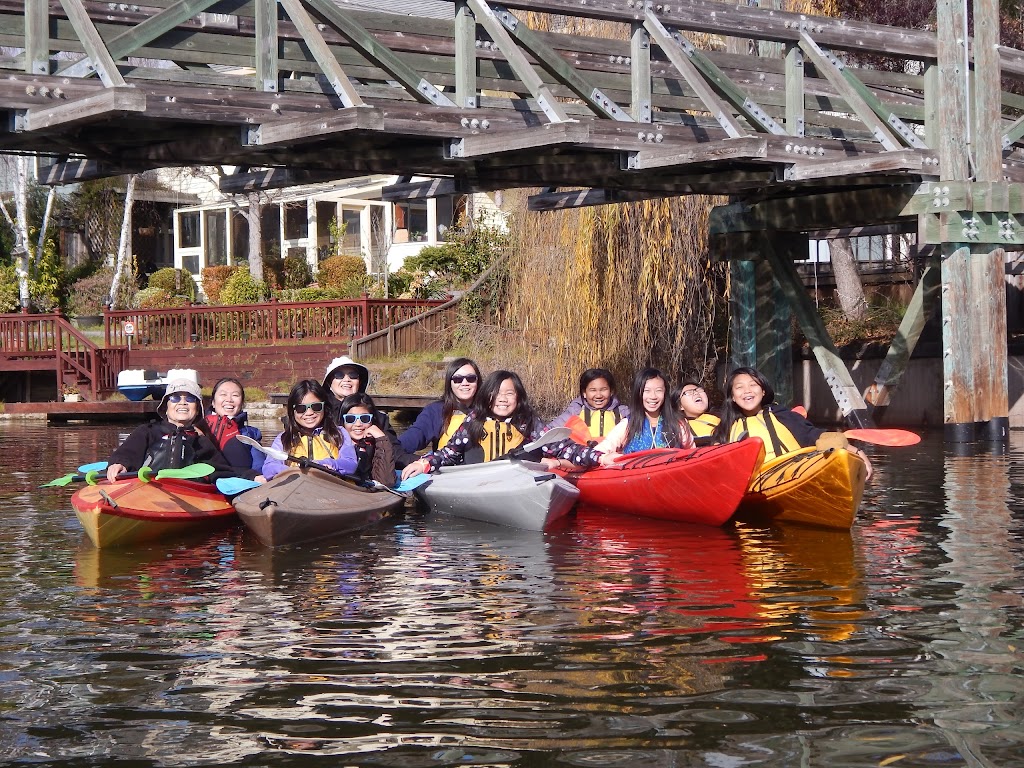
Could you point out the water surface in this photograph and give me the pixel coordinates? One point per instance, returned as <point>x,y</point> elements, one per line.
<point>430,641</point>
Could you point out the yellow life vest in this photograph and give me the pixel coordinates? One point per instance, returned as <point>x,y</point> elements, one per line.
<point>315,447</point>
<point>703,425</point>
<point>755,426</point>
<point>600,421</point>
<point>500,437</point>
<point>454,422</point>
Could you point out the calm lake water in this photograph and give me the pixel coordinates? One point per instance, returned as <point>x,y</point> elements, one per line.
<point>435,642</point>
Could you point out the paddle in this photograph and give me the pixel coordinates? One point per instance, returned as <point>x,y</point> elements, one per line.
<point>92,477</point>
<point>305,463</point>
<point>232,486</point>
<point>522,453</point>
<point>892,437</point>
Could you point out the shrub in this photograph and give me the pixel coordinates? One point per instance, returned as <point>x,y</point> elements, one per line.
<point>310,293</point>
<point>8,289</point>
<point>176,282</point>
<point>89,294</point>
<point>158,298</point>
<point>214,279</point>
<point>297,273</point>
<point>342,272</point>
<point>243,288</point>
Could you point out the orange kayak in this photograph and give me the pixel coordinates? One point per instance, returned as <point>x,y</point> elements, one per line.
<point>809,486</point>
<point>130,511</point>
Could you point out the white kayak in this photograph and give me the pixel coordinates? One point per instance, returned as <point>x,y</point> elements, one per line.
<point>517,494</point>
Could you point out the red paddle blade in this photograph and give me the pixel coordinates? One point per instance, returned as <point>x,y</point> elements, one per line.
<point>892,437</point>
<point>799,409</point>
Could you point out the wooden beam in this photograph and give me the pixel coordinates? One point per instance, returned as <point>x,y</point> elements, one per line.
<point>93,43</point>
<point>742,148</point>
<point>71,171</point>
<point>105,105</point>
<point>465,56</point>
<point>677,55</point>
<point>489,20</point>
<point>37,37</point>
<point>1013,133</point>
<point>553,134</point>
<point>735,95</point>
<point>332,70</point>
<point>848,397</point>
<point>272,178</point>
<point>556,65</point>
<point>641,91</point>
<point>584,198</point>
<point>900,160</point>
<point>921,307</point>
<point>314,128</point>
<point>145,32</point>
<point>378,53</point>
<point>266,46</point>
<point>794,90</point>
<point>423,190</point>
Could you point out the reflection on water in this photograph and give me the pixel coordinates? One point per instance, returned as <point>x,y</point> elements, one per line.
<point>613,641</point>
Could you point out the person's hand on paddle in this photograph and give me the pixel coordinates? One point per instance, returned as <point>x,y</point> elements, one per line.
<point>416,468</point>
<point>607,459</point>
<point>114,470</point>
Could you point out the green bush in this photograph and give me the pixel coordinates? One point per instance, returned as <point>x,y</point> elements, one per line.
<point>342,272</point>
<point>243,288</point>
<point>297,273</point>
<point>214,279</point>
<point>176,282</point>
<point>158,298</point>
<point>310,294</point>
<point>468,252</point>
<point>8,289</point>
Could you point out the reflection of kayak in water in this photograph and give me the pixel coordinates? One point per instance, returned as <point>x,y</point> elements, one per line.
<point>644,565</point>
<point>131,511</point>
<point>702,485</point>
<point>808,486</point>
<point>807,572</point>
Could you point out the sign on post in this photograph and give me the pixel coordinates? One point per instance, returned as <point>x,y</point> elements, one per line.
<point>129,331</point>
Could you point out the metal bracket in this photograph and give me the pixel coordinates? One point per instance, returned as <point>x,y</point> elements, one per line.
<point>454,149</point>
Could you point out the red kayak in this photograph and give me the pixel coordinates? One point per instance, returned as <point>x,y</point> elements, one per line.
<point>688,485</point>
<point>131,511</point>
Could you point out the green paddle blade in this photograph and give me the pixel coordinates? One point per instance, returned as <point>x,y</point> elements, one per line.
<point>61,481</point>
<point>191,472</point>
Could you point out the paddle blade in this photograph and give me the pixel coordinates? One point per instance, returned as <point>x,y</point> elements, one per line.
<point>412,483</point>
<point>96,466</point>
<point>899,438</point>
<point>799,409</point>
<point>232,486</point>
<point>271,452</point>
<point>61,481</point>
<point>190,472</point>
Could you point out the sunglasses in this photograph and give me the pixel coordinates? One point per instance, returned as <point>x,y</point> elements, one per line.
<point>362,418</point>
<point>303,407</point>
<point>469,377</point>
<point>179,398</point>
<point>692,392</point>
<point>348,375</point>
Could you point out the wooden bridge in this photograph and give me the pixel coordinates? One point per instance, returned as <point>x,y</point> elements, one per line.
<point>665,97</point>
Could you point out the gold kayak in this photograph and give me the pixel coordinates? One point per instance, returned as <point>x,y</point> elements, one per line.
<point>810,486</point>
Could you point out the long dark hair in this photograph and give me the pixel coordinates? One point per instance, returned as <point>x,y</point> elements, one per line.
<point>731,412</point>
<point>593,374</point>
<point>355,401</point>
<point>449,402</point>
<point>293,432</point>
<point>522,417</point>
<point>637,415</point>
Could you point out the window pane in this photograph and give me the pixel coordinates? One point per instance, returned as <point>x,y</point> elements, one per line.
<point>239,237</point>
<point>188,230</point>
<point>216,239</point>
<point>295,221</point>
<point>351,225</point>
<point>190,263</point>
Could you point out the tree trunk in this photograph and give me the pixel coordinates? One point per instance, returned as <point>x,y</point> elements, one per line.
<point>849,288</point>
<point>255,218</point>
<point>124,246</point>
<point>41,248</point>
<point>21,239</point>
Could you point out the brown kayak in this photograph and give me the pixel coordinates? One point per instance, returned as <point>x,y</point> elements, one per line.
<point>305,505</point>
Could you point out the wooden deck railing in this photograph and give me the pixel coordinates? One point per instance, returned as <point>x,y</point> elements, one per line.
<point>49,342</point>
<point>270,323</point>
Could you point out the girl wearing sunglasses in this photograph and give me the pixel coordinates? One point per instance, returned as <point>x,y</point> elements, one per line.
<point>310,433</point>
<point>501,421</point>
<point>596,411</point>
<point>439,420</point>
<point>374,457</point>
<point>179,439</point>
